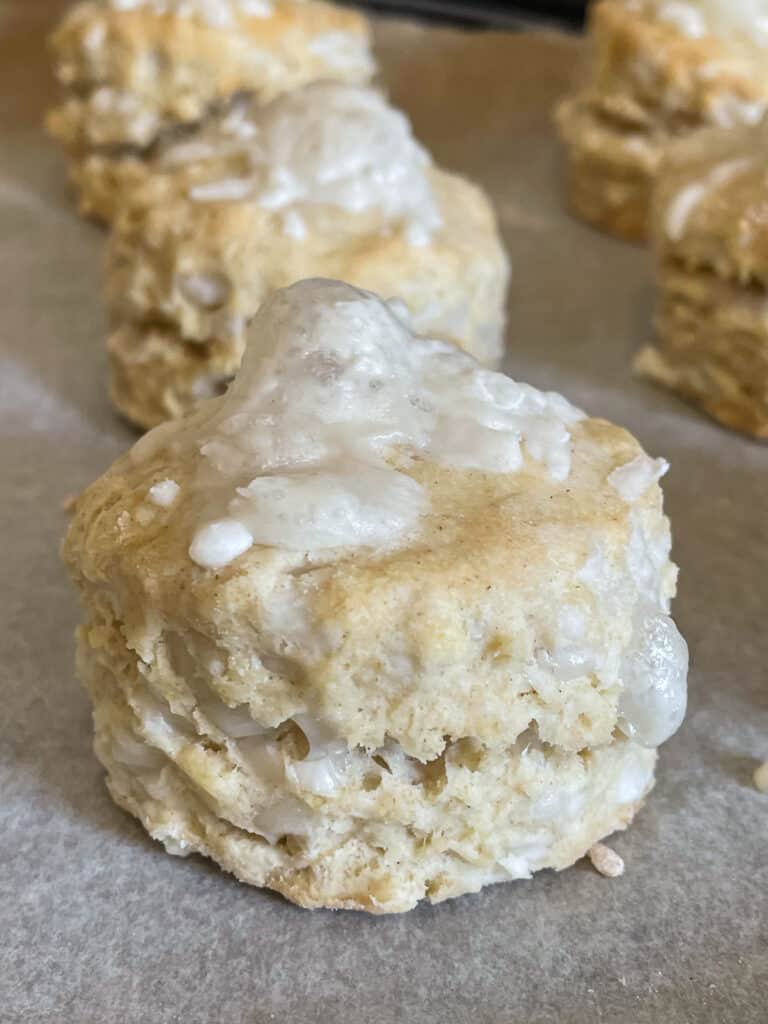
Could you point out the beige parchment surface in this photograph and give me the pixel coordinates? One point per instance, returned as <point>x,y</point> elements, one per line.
<point>97,924</point>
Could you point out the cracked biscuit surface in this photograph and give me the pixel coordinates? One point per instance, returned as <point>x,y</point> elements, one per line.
<point>711,249</point>
<point>655,71</point>
<point>378,625</point>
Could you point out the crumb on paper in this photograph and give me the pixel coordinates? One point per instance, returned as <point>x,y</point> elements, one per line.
<point>760,777</point>
<point>68,502</point>
<point>606,861</point>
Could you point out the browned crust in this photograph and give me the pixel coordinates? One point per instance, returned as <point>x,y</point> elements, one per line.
<point>173,70</point>
<point>642,89</point>
<point>608,198</point>
<point>222,54</point>
<point>744,419</point>
<point>635,53</point>
<point>712,345</point>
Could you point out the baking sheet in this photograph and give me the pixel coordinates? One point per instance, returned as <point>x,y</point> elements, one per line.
<point>97,924</point>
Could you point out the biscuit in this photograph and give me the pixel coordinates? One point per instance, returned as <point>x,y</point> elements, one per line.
<point>655,71</point>
<point>711,250</point>
<point>134,73</point>
<point>609,173</point>
<point>326,181</point>
<point>157,376</point>
<point>378,625</point>
<point>102,181</point>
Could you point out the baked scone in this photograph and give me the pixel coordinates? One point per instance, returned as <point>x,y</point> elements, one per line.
<point>136,71</point>
<point>327,180</point>
<point>656,70</point>
<point>711,250</point>
<point>378,624</point>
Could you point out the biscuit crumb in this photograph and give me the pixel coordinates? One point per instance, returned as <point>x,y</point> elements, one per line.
<point>606,861</point>
<point>68,502</point>
<point>760,777</point>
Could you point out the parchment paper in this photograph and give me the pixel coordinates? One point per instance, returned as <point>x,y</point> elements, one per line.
<point>97,923</point>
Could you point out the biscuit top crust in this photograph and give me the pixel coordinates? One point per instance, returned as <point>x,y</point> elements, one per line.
<point>92,25</point>
<point>427,550</point>
<point>711,203</point>
<point>334,393</point>
<point>674,65</point>
<point>746,20</point>
<point>327,143</point>
<point>171,63</point>
<point>223,13</point>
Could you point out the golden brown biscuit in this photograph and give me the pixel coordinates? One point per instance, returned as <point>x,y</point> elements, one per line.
<point>711,247</point>
<point>609,173</point>
<point>377,625</point>
<point>326,181</point>
<point>655,70</point>
<point>158,376</point>
<point>102,181</point>
<point>134,72</point>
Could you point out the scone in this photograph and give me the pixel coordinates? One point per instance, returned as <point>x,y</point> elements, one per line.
<point>327,180</point>
<point>711,249</point>
<point>378,625</point>
<point>656,70</point>
<point>136,72</point>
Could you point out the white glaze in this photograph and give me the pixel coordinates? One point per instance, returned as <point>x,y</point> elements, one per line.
<point>236,722</point>
<point>289,816</point>
<point>219,543</point>
<point>685,17</point>
<point>332,381</point>
<point>654,665</point>
<point>333,384</point>
<point>634,781</point>
<point>324,144</point>
<point>164,493</point>
<point>343,52</point>
<point>633,479</point>
<point>682,206</point>
<point>647,559</point>
<point>344,146</point>
<point>654,673</point>
<point>222,190</point>
<point>527,857</point>
<point>687,199</point>
<point>323,770</point>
